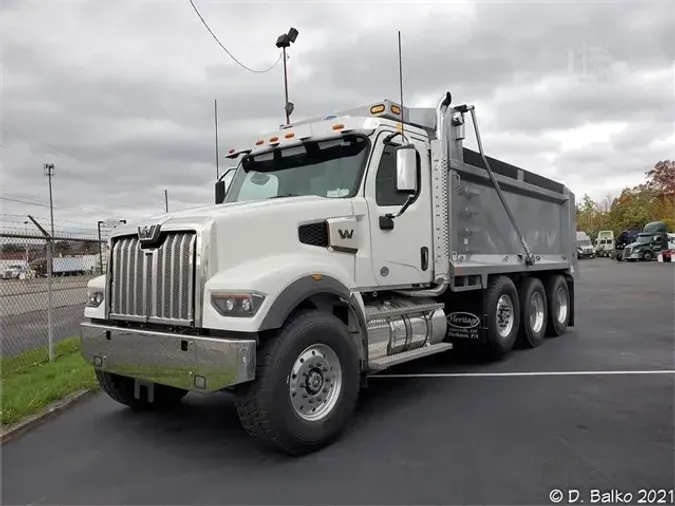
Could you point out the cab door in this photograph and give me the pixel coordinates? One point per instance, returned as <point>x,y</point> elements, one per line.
<point>400,255</point>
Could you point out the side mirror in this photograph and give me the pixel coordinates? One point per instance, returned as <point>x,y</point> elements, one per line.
<point>406,169</point>
<point>223,184</point>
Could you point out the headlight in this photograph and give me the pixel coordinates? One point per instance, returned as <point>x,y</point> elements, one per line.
<point>237,304</point>
<point>94,299</point>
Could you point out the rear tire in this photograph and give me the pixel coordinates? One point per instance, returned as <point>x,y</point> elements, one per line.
<point>558,295</point>
<point>502,307</point>
<point>306,386</point>
<point>121,389</point>
<point>533,312</point>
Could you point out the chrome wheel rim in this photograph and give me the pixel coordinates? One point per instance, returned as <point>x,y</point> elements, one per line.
<point>536,312</point>
<point>315,382</point>
<point>505,315</point>
<point>561,301</point>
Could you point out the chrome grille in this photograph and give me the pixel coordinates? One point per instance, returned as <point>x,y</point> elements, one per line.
<point>155,284</point>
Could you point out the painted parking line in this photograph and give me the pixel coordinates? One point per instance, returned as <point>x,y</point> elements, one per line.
<point>521,374</point>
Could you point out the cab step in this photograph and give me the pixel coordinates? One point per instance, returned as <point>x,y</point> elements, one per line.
<point>399,358</point>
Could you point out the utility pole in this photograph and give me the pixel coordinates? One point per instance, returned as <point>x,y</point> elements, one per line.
<point>100,248</point>
<point>166,201</point>
<point>49,172</point>
<point>215,114</point>
<point>284,41</point>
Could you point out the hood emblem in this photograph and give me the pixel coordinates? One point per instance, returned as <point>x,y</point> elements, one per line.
<point>148,234</point>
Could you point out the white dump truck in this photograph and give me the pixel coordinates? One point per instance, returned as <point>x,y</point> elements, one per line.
<point>343,245</point>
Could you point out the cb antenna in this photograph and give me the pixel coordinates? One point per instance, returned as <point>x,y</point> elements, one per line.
<point>400,80</point>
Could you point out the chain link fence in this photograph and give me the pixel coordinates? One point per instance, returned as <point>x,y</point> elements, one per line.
<point>25,288</point>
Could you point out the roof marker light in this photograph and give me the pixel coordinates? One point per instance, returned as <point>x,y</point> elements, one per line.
<point>338,126</point>
<point>289,135</point>
<point>395,109</point>
<point>259,142</point>
<point>377,109</point>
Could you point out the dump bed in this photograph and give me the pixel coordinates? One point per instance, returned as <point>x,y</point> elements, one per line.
<point>482,238</point>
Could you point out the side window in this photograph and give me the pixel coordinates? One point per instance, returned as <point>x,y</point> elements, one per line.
<point>386,193</point>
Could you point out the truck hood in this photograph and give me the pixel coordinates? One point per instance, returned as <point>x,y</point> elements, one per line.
<point>305,207</point>
<point>241,229</point>
<point>218,211</point>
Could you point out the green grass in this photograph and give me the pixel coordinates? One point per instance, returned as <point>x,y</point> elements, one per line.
<point>30,382</point>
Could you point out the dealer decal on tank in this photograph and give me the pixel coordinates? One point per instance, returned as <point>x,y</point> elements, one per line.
<point>463,325</point>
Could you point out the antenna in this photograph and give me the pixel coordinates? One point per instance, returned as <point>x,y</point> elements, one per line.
<point>400,79</point>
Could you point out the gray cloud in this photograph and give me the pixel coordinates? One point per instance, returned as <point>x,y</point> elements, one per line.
<point>120,98</point>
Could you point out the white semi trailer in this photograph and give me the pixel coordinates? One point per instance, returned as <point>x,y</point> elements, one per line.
<point>344,245</point>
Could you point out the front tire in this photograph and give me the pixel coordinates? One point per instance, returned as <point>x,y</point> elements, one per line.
<point>503,309</point>
<point>647,257</point>
<point>306,386</point>
<point>558,295</point>
<point>533,312</point>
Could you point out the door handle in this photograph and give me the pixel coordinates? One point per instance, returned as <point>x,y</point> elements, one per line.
<point>424,254</point>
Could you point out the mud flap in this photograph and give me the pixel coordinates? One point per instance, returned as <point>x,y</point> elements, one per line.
<point>466,318</point>
<point>570,286</point>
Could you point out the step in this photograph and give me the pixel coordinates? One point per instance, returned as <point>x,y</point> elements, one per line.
<point>406,356</point>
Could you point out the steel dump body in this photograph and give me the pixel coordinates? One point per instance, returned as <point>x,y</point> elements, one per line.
<point>482,239</point>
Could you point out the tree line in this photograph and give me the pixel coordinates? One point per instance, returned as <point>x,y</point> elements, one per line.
<point>652,200</point>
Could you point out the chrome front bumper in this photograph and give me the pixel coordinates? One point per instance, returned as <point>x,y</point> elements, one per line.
<point>202,364</point>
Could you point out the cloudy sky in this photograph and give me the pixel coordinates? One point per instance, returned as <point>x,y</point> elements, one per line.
<point>119,94</point>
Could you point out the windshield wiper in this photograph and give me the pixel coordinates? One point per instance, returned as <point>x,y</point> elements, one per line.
<point>284,195</point>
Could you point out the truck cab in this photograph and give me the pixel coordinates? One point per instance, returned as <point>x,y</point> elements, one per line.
<point>584,246</point>
<point>648,244</point>
<point>604,243</point>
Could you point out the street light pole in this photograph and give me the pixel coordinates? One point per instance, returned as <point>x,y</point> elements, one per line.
<point>284,41</point>
<point>25,225</point>
<point>100,247</point>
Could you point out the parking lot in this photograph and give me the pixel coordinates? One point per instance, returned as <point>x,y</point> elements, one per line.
<point>590,410</point>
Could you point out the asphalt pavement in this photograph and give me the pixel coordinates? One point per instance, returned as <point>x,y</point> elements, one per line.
<point>489,439</point>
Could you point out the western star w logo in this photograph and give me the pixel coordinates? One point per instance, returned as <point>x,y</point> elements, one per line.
<point>148,233</point>
<point>346,233</point>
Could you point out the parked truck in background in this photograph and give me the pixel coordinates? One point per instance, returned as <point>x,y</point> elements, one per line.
<point>668,253</point>
<point>604,243</point>
<point>584,246</point>
<point>623,239</point>
<point>649,243</point>
<point>344,245</point>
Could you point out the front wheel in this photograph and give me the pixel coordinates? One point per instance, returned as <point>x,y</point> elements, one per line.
<point>306,386</point>
<point>647,257</point>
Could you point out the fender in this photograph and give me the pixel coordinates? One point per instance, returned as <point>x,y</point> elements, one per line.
<point>285,280</point>
<point>296,292</point>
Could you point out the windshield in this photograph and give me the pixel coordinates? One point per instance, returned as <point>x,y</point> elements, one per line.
<point>584,242</point>
<point>644,238</point>
<point>331,168</point>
